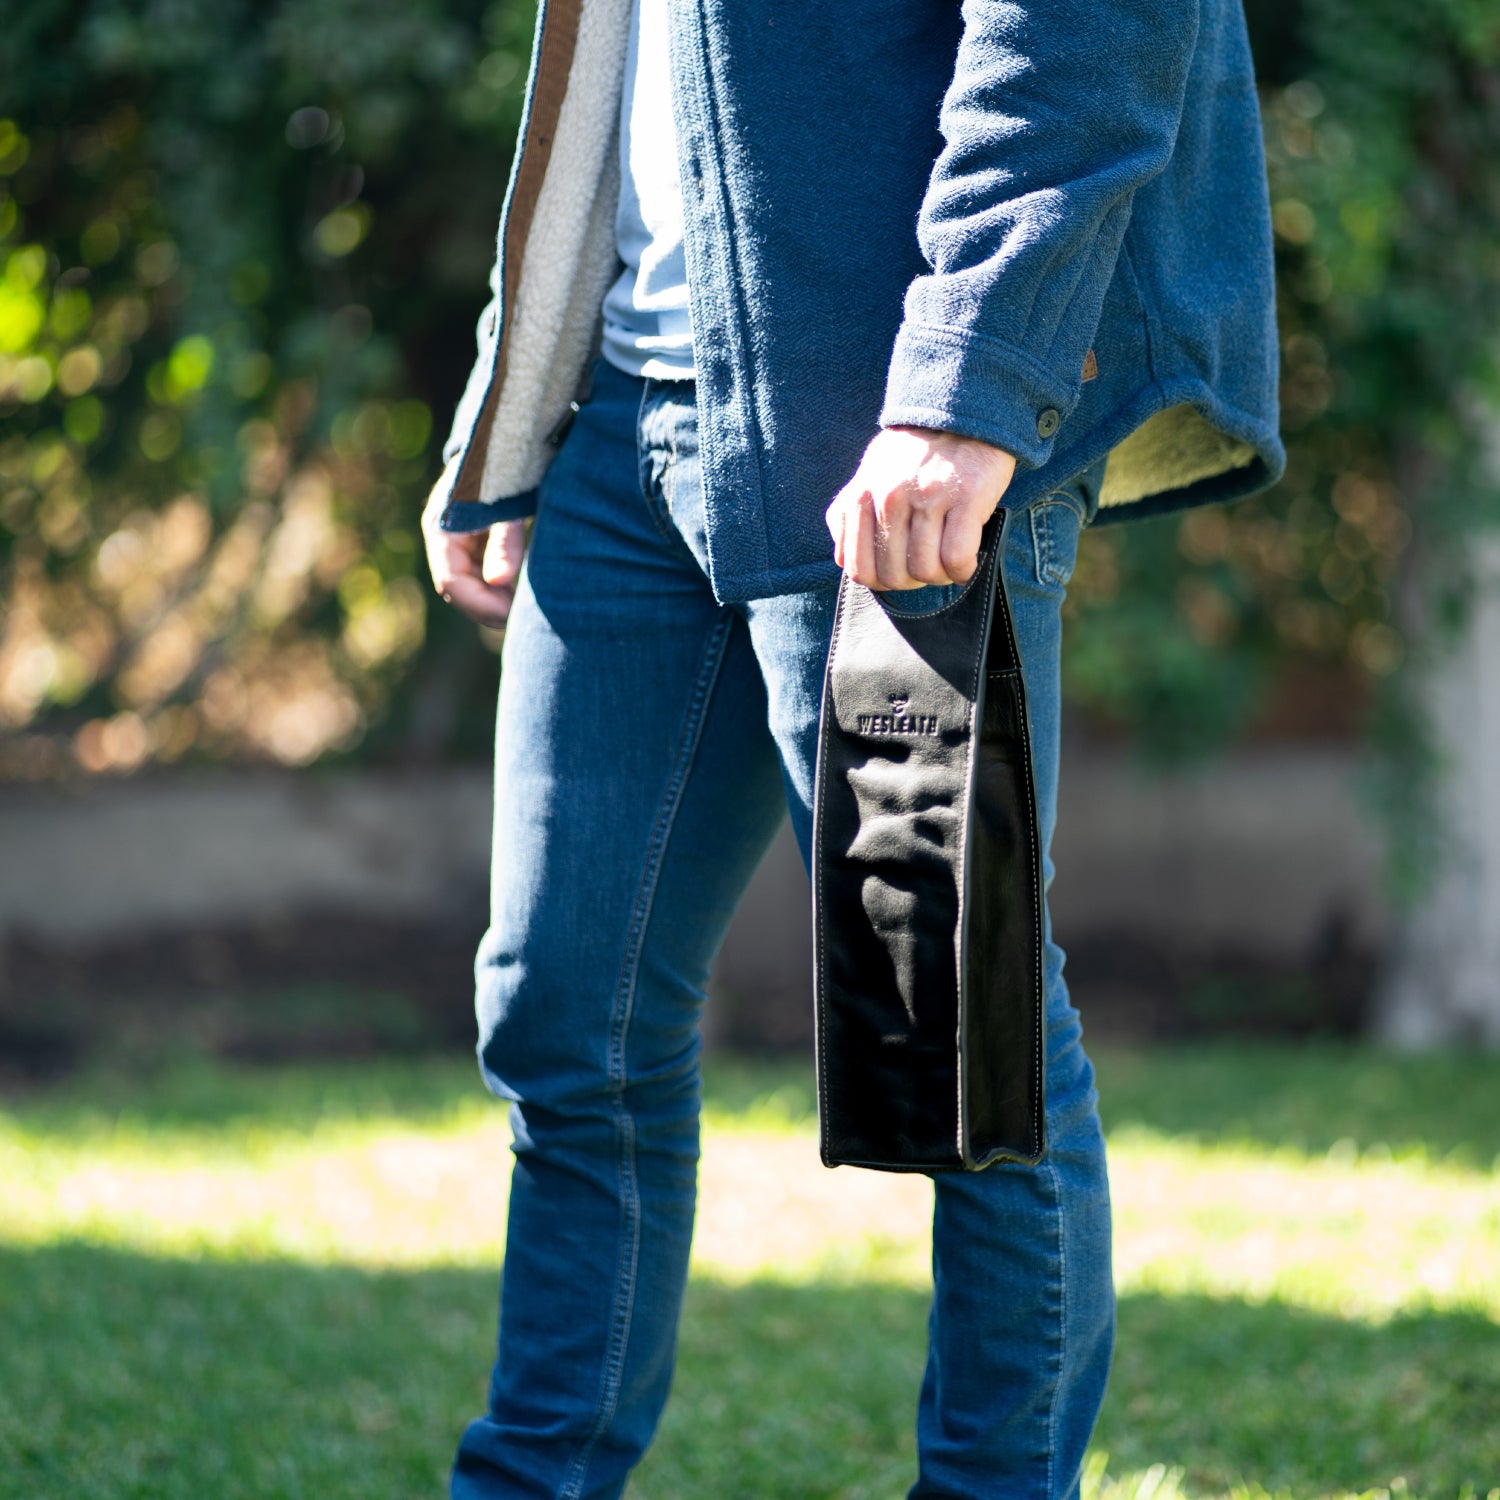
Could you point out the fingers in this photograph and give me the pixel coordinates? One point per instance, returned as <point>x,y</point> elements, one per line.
<point>859,546</point>
<point>892,525</point>
<point>459,578</point>
<point>925,559</point>
<point>915,511</point>
<point>963,529</point>
<point>476,571</point>
<point>833,519</point>
<point>473,597</point>
<point>891,540</point>
<point>871,541</point>
<point>503,553</point>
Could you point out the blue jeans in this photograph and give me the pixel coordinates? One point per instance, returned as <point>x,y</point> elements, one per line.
<point>649,742</point>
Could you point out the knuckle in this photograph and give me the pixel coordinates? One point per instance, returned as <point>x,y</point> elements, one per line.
<point>890,506</point>
<point>958,562</point>
<point>931,496</point>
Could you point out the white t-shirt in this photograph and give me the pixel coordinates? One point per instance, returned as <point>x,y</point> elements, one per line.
<point>646,325</point>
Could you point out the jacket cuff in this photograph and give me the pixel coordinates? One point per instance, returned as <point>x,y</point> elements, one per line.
<point>475,515</point>
<point>957,381</point>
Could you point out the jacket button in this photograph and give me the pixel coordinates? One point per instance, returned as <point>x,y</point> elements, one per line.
<point>1048,422</point>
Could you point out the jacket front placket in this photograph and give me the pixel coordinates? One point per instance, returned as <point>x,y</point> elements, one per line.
<point>727,414</point>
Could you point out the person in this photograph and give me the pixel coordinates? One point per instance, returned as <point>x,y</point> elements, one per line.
<point>784,291</point>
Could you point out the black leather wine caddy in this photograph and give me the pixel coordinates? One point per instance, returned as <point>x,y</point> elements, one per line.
<point>927,886</point>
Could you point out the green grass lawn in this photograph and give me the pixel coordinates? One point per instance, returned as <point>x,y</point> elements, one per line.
<point>234,1283</point>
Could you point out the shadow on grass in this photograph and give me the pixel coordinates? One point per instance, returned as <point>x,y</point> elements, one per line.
<point>194,1093</point>
<point>122,1375</point>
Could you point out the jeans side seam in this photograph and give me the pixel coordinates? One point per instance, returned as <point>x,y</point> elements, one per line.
<point>622,1013</point>
<point>1040,544</point>
<point>1062,1332</point>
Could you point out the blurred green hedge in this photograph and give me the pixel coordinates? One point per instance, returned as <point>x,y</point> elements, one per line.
<point>242,249</point>
<point>1382,129</point>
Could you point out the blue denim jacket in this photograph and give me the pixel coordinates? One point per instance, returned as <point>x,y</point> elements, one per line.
<point>1036,222</point>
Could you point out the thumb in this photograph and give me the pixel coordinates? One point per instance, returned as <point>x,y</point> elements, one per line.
<point>502,553</point>
<point>833,519</point>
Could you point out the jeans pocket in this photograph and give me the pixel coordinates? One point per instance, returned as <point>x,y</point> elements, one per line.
<point>1056,521</point>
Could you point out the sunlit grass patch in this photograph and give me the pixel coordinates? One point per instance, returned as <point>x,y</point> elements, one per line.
<point>394,1165</point>
<point>321,1164</point>
<point>1363,1237</point>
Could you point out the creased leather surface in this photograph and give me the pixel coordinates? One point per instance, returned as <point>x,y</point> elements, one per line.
<point>927,888</point>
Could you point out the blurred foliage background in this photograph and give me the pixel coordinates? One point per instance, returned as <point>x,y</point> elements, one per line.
<point>242,249</point>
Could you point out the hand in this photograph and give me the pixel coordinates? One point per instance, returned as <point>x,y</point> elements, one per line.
<point>475,571</point>
<point>916,507</point>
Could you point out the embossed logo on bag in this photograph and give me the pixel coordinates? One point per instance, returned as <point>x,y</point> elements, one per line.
<point>898,721</point>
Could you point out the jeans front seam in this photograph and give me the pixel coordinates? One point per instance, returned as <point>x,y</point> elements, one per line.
<point>621,1014</point>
